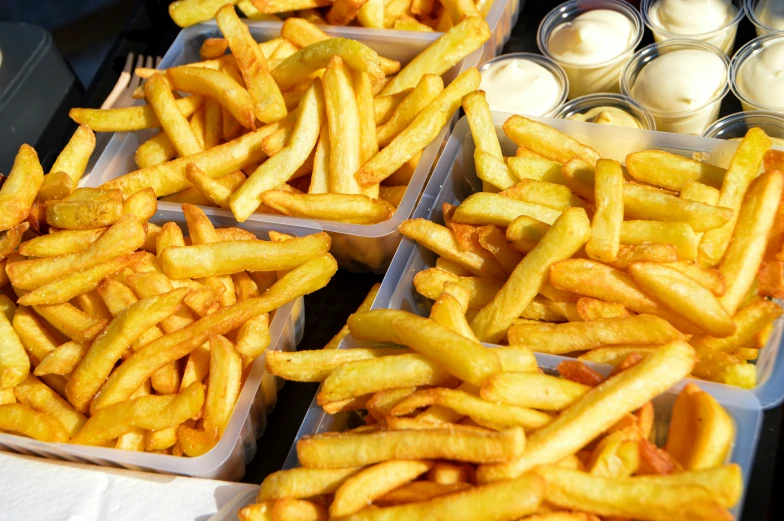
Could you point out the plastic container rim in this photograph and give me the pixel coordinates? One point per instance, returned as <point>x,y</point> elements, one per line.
<point>646,6</point>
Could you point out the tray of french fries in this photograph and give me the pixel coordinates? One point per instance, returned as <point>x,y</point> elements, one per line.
<point>374,17</point>
<point>127,344</point>
<point>577,290</point>
<point>299,168</point>
<point>449,429</point>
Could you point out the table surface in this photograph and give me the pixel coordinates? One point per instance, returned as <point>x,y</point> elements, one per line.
<point>150,31</point>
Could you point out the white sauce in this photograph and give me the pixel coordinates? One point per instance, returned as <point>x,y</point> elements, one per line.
<point>521,86</point>
<point>689,17</point>
<point>592,37</point>
<point>761,75</point>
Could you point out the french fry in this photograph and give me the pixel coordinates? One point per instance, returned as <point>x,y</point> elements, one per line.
<point>371,483</point>
<point>69,166</point>
<point>71,321</point>
<point>565,237</point>
<point>300,483</point>
<point>20,419</point>
<point>457,43</point>
<point>537,168</point>
<point>224,258</point>
<point>583,336</point>
<point>425,92</point>
<point>20,188</point>
<point>344,128</point>
<point>684,296</point>
<point>172,121</point>
<point>491,169</point>
<point>547,141</point>
<point>640,202</point>
<point>486,208</point>
<point>594,309</point>
<point>225,382</point>
<point>680,235</point>
<point>279,168</point>
<point>417,491</point>
<point>672,171</point>
<point>146,412</point>
<point>10,239</point>
<point>742,170</point>
<point>645,252</point>
<point>129,118</point>
<point>749,321</point>
<point>627,497</point>
<point>156,150</point>
<point>63,360</point>
<point>354,208</point>
<point>544,193</point>
<point>422,131</point>
<point>37,395</point>
<point>74,214</point>
<point>747,247</point>
<point>581,422</point>
<point>430,283</point>
<point>345,450</point>
<point>14,363</point>
<point>266,96</point>
<point>604,242</point>
<point>217,85</point>
<point>531,390</point>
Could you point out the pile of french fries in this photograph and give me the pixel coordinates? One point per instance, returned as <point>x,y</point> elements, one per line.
<point>116,332</point>
<point>304,125</point>
<point>404,15</point>
<point>568,253</point>
<point>456,430</point>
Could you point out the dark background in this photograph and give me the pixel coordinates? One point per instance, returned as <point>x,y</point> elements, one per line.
<point>95,36</point>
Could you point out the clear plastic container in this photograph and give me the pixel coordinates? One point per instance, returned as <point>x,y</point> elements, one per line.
<point>693,121</point>
<point>596,77</point>
<point>356,247</point>
<point>237,446</point>
<point>583,104</point>
<point>766,15</point>
<point>745,57</point>
<point>722,37</point>
<point>551,66</point>
<point>455,179</point>
<point>736,125</point>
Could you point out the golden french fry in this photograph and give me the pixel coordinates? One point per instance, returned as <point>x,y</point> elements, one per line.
<point>346,450</point>
<point>680,235</point>
<point>156,150</point>
<point>74,214</point>
<point>457,43</point>
<point>20,188</point>
<point>351,208</point>
<point>14,362</point>
<point>537,168</point>
<point>749,321</point>
<point>146,412</point>
<point>129,118</point>
<point>672,171</point>
<point>700,432</point>
<point>464,358</point>
<point>190,12</point>
<point>616,354</point>
<point>744,254</point>
<point>10,239</point>
<point>224,387</point>
<point>684,296</point>
<point>421,132</point>
<point>69,166</point>
<point>487,208</point>
<point>742,170</point>
<point>531,390</point>
<point>594,309</point>
<point>37,395</point>
<point>544,193</point>
<point>626,497</point>
<point>442,241</point>
<point>606,223</point>
<point>224,258</point>
<point>430,283</point>
<point>580,177</point>
<point>172,121</point>
<point>71,321</point>
<point>492,170</point>
<point>217,85</point>
<point>37,339</point>
<point>373,482</point>
<point>122,238</point>
<point>17,418</point>
<point>213,48</point>
<point>299,483</point>
<point>62,360</point>
<point>425,92</point>
<point>266,96</point>
<point>344,11</point>
<point>278,169</point>
<point>569,232</point>
<point>547,141</point>
<point>645,252</point>
<point>597,410</point>
<point>640,202</point>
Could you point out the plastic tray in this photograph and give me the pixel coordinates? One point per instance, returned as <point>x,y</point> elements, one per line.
<point>356,247</point>
<point>454,179</point>
<point>236,447</point>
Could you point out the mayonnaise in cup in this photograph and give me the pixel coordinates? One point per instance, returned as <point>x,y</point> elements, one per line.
<point>736,125</point>
<point>592,40</point>
<point>680,82</point>
<point>607,109</point>
<point>524,83</point>
<point>757,73</point>
<point>766,15</point>
<point>712,21</point>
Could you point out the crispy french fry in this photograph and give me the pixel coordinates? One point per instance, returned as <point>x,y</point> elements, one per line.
<point>37,395</point>
<point>640,202</point>
<point>537,168</point>
<point>225,382</point>
<point>565,237</point>
<point>742,170</point>
<point>72,213</point>
<point>606,223</point>
<point>10,239</point>
<point>156,150</point>
<point>547,141</point>
<point>20,188</point>
<point>345,450</point>
<point>351,208</point>
<point>63,360</point>
<point>430,283</point>
<point>14,363</point>
<point>172,121</point>
<point>69,166</point>
<point>749,321</point>
<point>680,235</point>
<point>129,118</point>
<point>544,193</point>
<point>457,43</point>
<point>425,92</point>
<point>645,252</point>
<point>300,483</point>
<point>486,208</point>
<point>17,418</point>
<point>672,171</point>
<point>217,85</point>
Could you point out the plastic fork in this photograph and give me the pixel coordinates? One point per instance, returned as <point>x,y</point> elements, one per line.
<point>121,95</point>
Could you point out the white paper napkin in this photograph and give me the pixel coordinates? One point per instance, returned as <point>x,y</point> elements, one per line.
<point>47,490</point>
